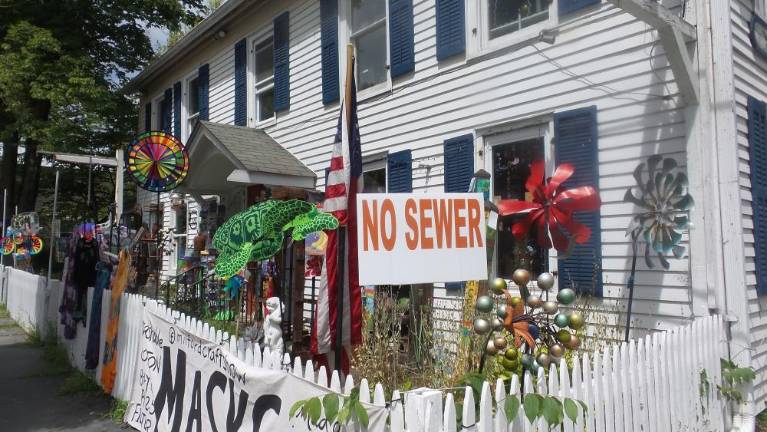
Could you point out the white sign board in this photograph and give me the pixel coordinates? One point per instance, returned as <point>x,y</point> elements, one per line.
<point>187,383</point>
<point>420,238</point>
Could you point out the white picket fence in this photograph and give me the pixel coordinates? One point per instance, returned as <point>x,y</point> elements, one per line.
<point>651,384</point>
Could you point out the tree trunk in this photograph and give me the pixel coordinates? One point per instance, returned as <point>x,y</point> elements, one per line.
<point>10,156</point>
<point>31,180</point>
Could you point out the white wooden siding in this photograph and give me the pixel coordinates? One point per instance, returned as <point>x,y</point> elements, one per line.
<point>603,57</point>
<point>750,80</point>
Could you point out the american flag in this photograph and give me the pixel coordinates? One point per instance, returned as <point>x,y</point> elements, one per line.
<point>344,180</point>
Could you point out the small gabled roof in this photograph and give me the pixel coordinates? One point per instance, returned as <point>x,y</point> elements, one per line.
<point>256,158</point>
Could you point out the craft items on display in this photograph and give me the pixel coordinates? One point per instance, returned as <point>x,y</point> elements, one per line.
<point>663,203</point>
<point>157,161</point>
<point>103,275</point>
<point>257,233</point>
<point>84,251</point>
<point>550,213</point>
<point>109,362</point>
<point>530,332</point>
<point>273,325</point>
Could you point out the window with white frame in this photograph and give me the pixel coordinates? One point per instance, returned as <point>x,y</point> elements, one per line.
<point>510,156</point>
<point>192,103</point>
<point>264,78</point>
<point>374,174</point>
<point>499,23</point>
<point>368,36</point>
<point>157,112</point>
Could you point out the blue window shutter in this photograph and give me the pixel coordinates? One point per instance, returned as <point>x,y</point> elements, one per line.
<point>329,29</point>
<point>203,89</point>
<point>459,163</point>
<point>282,62</point>
<point>240,84</point>
<point>401,34</point>
<point>576,143</point>
<point>451,28</point>
<point>148,117</point>
<point>400,171</point>
<point>167,111</point>
<point>570,6</point>
<point>177,110</point>
<point>757,146</point>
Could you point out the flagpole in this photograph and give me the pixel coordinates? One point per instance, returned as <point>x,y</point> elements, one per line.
<point>341,255</point>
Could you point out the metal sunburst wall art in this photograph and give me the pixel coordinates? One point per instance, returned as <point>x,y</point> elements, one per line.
<point>663,202</point>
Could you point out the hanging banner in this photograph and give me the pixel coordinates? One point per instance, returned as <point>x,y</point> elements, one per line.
<point>187,383</point>
<point>420,238</point>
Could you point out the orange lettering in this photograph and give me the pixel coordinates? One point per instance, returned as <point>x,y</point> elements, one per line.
<point>370,225</point>
<point>443,219</point>
<point>460,222</point>
<point>388,240</point>
<point>411,237</point>
<point>474,223</point>
<point>426,242</point>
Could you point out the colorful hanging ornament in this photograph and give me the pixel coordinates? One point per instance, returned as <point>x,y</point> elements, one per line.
<point>157,161</point>
<point>36,245</point>
<point>8,245</point>
<point>552,209</point>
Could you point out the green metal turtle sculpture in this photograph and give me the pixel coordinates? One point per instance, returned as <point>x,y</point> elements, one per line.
<point>257,233</point>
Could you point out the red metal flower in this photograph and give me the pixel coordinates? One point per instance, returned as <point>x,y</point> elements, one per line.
<point>551,210</point>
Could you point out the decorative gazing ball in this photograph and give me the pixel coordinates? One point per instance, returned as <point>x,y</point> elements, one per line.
<point>564,336</point>
<point>543,360</point>
<point>499,285</point>
<point>521,277</point>
<point>574,342</point>
<point>481,326</point>
<point>500,342</point>
<point>484,304</point>
<point>556,350</point>
<point>491,349</point>
<point>497,324</point>
<point>501,311</point>
<point>509,364</point>
<point>561,320</point>
<point>535,366</point>
<point>534,301</point>
<point>515,301</point>
<point>576,320</point>
<point>511,353</point>
<point>550,307</point>
<point>534,331</point>
<point>527,360</point>
<point>545,281</point>
<point>566,296</point>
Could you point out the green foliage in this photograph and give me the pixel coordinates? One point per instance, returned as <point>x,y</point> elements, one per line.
<point>76,383</point>
<point>117,410</point>
<point>732,377</point>
<point>336,408</point>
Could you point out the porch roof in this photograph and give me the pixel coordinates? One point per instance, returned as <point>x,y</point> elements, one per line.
<point>221,154</point>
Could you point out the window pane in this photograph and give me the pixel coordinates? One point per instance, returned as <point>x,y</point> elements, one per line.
<point>366,12</point>
<point>507,16</point>
<point>194,100</point>
<point>374,181</point>
<point>371,57</point>
<point>266,104</point>
<point>264,60</point>
<point>511,167</point>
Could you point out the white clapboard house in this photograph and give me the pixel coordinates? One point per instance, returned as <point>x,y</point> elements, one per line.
<point>447,87</point>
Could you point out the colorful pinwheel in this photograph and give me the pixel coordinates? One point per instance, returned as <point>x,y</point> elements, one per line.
<point>36,245</point>
<point>157,161</point>
<point>551,209</point>
<point>8,245</point>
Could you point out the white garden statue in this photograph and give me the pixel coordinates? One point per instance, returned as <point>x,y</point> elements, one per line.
<point>273,325</point>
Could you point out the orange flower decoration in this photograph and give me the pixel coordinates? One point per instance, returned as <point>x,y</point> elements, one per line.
<point>517,322</point>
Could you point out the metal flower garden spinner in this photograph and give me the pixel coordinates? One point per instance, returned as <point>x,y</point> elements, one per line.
<point>663,202</point>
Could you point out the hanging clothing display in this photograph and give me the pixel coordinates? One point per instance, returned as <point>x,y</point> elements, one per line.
<point>103,274</point>
<point>79,274</point>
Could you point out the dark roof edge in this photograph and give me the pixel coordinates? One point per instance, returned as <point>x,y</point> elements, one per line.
<point>189,41</point>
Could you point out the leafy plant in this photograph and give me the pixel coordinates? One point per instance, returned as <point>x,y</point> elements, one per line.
<point>337,408</point>
<point>551,408</point>
<point>733,376</point>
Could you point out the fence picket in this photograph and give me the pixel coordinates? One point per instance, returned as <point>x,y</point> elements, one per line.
<point>309,371</point>
<point>397,416</point>
<point>448,420</point>
<point>348,384</point>
<point>322,377</point>
<point>379,397</point>
<point>485,423</point>
<point>588,394</point>
<point>469,415</point>
<point>577,394</point>
<point>500,423</point>
<point>335,382</point>
<point>607,389</point>
<point>527,387</point>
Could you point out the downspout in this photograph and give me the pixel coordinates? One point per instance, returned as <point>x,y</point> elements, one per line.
<point>719,34</point>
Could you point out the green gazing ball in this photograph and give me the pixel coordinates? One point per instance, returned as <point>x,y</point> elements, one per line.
<point>561,320</point>
<point>498,285</point>
<point>511,353</point>
<point>527,360</point>
<point>501,312</point>
<point>564,336</point>
<point>484,304</point>
<point>566,296</point>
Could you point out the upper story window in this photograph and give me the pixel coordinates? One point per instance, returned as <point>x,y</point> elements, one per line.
<point>368,35</point>
<point>374,173</point>
<point>192,104</point>
<point>508,16</point>
<point>264,78</point>
<point>160,108</point>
